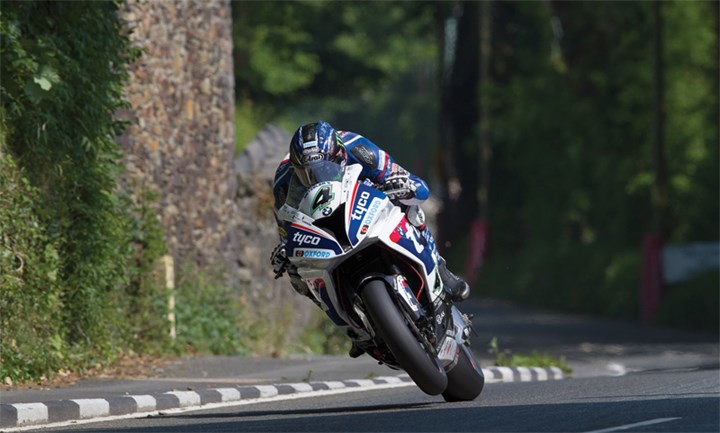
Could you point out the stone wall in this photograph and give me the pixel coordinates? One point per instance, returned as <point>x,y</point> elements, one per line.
<point>180,145</point>
<point>181,140</point>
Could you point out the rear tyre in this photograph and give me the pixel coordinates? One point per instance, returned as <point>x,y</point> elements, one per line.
<point>465,380</point>
<point>423,368</point>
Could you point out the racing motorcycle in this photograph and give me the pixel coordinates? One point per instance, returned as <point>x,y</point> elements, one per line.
<point>376,276</point>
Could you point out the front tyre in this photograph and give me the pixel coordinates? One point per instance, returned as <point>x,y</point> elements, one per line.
<point>389,323</point>
<point>466,379</point>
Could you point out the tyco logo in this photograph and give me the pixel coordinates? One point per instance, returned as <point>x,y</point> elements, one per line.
<point>300,239</point>
<point>361,207</point>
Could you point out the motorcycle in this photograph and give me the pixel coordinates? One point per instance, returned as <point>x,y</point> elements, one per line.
<point>376,276</point>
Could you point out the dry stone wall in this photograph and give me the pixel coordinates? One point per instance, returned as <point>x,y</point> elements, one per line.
<point>181,139</point>
<point>180,145</point>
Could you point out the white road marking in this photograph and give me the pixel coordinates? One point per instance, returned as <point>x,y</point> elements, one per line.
<point>541,373</point>
<point>213,406</point>
<point>144,402</point>
<point>506,372</point>
<point>362,382</point>
<point>186,398</point>
<point>558,372</point>
<point>228,394</point>
<point>335,384</point>
<point>525,375</point>
<point>31,413</point>
<point>637,424</point>
<point>616,369</point>
<point>92,407</point>
<point>301,387</point>
<point>266,390</point>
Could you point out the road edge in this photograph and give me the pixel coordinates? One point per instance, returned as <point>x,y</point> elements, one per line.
<point>14,416</point>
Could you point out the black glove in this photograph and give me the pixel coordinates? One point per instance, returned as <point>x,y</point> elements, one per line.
<point>398,186</point>
<point>279,260</point>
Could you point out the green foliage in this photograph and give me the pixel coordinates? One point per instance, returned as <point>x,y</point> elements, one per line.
<point>63,71</point>
<point>76,253</point>
<point>693,304</point>
<point>691,62</point>
<point>573,148</point>
<point>371,71</point>
<point>144,300</point>
<point>506,358</point>
<point>586,279</point>
<point>291,49</point>
<point>207,313</point>
<point>322,336</point>
<point>31,340</point>
<point>368,68</point>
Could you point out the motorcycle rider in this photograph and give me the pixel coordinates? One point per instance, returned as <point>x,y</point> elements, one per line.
<point>320,141</point>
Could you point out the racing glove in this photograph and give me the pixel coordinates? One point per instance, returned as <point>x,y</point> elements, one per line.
<point>279,260</point>
<point>398,186</point>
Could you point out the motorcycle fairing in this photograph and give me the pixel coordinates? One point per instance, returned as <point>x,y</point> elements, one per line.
<point>367,204</point>
<point>409,239</point>
<point>369,217</point>
<point>303,240</point>
<point>322,199</point>
<point>322,286</point>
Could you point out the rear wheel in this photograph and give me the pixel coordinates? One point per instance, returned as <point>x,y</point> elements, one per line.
<point>466,379</point>
<point>389,323</point>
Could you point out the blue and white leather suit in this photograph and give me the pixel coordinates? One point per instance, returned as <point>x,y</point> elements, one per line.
<point>320,141</point>
<point>377,164</point>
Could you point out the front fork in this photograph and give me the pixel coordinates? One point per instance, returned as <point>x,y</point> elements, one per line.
<point>443,335</point>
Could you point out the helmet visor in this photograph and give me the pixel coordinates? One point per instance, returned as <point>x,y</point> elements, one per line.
<point>318,171</point>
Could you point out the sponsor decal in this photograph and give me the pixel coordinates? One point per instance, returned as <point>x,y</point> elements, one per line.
<point>372,211</point>
<point>301,239</point>
<point>399,231</point>
<point>309,144</point>
<point>361,207</point>
<point>313,157</point>
<point>327,211</point>
<point>282,232</point>
<point>402,231</point>
<point>409,239</point>
<point>448,350</point>
<point>364,154</point>
<point>364,229</point>
<point>286,212</point>
<point>312,253</point>
<point>440,317</point>
<point>404,291</point>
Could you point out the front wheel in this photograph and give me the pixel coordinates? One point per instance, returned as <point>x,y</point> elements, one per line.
<point>466,379</point>
<point>389,323</point>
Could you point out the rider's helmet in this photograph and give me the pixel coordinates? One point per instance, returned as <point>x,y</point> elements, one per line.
<point>312,143</point>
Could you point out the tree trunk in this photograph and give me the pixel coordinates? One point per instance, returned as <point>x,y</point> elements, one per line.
<point>659,189</point>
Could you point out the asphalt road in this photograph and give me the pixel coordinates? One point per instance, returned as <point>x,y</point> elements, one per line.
<point>668,401</point>
<point>626,377</point>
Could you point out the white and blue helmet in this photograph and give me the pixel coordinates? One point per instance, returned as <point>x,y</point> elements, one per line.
<point>312,143</point>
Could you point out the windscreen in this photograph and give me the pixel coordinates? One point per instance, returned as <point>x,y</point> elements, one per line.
<point>320,171</point>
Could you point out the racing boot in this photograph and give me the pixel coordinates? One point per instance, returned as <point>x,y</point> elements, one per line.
<point>355,350</point>
<point>457,288</point>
